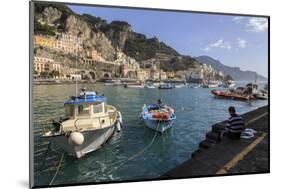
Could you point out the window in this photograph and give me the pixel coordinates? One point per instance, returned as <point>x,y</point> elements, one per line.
<point>69,110</point>
<point>98,108</point>
<point>83,109</point>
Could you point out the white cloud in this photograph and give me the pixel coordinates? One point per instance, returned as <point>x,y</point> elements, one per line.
<point>237,19</point>
<point>253,24</point>
<point>218,44</point>
<point>206,48</point>
<point>242,43</point>
<point>257,24</point>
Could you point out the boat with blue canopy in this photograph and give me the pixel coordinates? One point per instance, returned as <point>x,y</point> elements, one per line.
<point>88,123</point>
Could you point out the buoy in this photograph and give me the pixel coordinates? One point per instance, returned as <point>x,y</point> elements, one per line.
<point>119,117</point>
<point>118,125</point>
<point>119,122</point>
<point>76,138</point>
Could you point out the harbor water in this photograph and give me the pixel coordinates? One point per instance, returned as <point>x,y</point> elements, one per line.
<point>119,159</point>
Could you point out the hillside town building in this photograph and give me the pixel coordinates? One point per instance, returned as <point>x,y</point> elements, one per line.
<point>45,65</point>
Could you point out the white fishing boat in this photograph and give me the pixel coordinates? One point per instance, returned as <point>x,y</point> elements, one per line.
<point>194,85</point>
<point>211,84</point>
<point>261,95</point>
<point>135,85</point>
<point>230,84</point>
<point>179,85</point>
<point>89,122</point>
<point>150,86</point>
<point>166,86</point>
<point>113,82</point>
<point>157,117</point>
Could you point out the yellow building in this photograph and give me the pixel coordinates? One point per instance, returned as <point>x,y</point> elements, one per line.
<point>65,43</point>
<point>45,65</point>
<point>44,41</point>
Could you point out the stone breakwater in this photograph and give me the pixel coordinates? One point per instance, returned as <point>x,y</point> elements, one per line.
<point>229,157</point>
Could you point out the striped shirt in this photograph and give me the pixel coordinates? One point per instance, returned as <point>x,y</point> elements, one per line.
<point>235,124</point>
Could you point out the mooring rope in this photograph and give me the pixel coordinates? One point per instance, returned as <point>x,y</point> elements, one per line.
<point>57,171</point>
<point>148,146</point>
<point>142,151</point>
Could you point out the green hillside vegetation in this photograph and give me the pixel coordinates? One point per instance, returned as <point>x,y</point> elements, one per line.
<point>39,7</point>
<point>177,64</point>
<point>95,22</point>
<point>44,29</point>
<point>141,48</point>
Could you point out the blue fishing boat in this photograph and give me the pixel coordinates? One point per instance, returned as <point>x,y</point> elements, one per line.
<point>158,117</point>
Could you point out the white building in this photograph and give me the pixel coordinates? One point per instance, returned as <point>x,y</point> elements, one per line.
<point>42,64</point>
<point>69,43</point>
<point>76,77</point>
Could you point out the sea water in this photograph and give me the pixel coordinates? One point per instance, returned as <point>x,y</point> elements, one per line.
<point>196,110</point>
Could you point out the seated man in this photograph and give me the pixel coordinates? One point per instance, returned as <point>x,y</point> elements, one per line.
<point>160,104</point>
<point>235,125</point>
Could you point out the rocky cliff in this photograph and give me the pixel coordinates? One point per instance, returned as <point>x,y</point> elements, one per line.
<point>62,19</point>
<point>105,37</point>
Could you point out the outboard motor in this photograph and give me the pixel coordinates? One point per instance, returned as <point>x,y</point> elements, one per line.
<point>56,125</point>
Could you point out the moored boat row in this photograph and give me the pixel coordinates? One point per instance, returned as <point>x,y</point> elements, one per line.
<point>89,122</point>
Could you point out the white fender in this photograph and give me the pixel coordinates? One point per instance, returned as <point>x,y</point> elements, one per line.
<point>76,138</point>
<point>119,121</point>
<point>119,117</point>
<point>118,126</point>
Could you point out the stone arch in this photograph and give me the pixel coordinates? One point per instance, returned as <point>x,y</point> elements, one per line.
<point>106,75</point>
<point>93,75</point>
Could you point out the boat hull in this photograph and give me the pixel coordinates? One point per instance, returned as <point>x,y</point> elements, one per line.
<point>158,125</point>
<point>261,96</point>
<point>93,140</point>
<point>134,86</point>
<point>220,94</point>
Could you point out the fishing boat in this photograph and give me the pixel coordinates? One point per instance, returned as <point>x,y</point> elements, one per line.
<point>261,95</point>
<point>134,85</point>
<point>194,85</point>
<point>89,122</point>
<point>231,95</point>
<point>157,117</point>
<point>113,82</point>
<point>230,84</point>
<point>179,85</point>
<point>165,86</point>
<point>150,86</point>
<point>211,84</point>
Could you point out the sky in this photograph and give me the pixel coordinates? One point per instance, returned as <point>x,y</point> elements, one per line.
<point>237,41</point>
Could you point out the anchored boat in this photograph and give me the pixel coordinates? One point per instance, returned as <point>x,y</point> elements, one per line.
<point>166,86</point>
<point>158,117</point>
<point>89,122</point>
<point>135,85</point>
<point>211,84</point>
<point>231,95</point>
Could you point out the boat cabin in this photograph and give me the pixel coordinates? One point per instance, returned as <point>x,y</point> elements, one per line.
<point>87,104</point>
